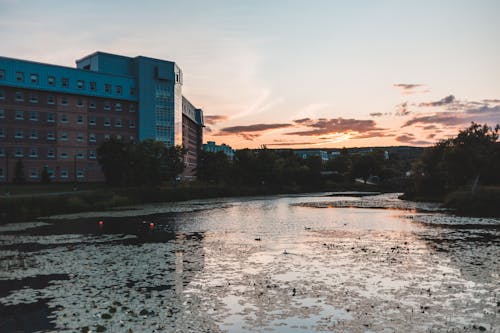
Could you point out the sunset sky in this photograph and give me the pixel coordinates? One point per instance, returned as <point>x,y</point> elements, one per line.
<point>293,73</point>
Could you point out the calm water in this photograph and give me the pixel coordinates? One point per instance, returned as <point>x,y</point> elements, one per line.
<point>281,264</point>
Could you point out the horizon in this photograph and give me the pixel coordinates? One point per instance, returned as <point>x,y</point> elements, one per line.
<point>293,74</point>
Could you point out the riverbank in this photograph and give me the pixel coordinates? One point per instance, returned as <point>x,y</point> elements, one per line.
<point>484,202</point>
<point>23,205</point>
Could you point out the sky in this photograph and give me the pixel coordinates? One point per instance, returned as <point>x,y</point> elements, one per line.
<point>293,74</point>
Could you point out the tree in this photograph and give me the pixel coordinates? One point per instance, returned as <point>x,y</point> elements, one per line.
<point>19,177</point>
<point>45,177</point>
<point>114,160</point>
<point>469,159</point>
<point>213,167</point>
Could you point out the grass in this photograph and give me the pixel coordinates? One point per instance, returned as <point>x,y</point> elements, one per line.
<point>32,201</point>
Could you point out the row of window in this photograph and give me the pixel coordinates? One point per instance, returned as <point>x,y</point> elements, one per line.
<point>33,152</point>
<point>35,173</point>
<point>51,135</point>
<point>52,100</point>
<point>65,82</point>
<point>63,119</point>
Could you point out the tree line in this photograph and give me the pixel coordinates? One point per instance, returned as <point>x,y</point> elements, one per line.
<point>148,162</point>
<point>469,160</point>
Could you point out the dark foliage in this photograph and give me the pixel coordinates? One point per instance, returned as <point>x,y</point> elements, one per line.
<point>148,162</point>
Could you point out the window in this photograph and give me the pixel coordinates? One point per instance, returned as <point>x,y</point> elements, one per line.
<point>33,173</point>
<point>34,78</point>
<point>2,113</point>
<point>51,173</point>
<point>131,108</point>
<point>19,115</point>
<point>79,155</point>
<point>80,84</point>
<point>118,107</point>
<point>1,173</point>
<point>2,74</point>
<point>34,134</point>
<point>107,106</point>
<point>64,136</point>
<point>19,152</point>
<point>106,137</point>
<point>107,88</point>
<point>19,76</point>
<point>64,118</point>
<point>79,102</point>
<point>79,119</point>
<point>51,117</point>
<point>65,82</point>
<point>64,100</point>
<point>91,104</point>
<point>119,90</point>
<point>64,173</point>
<point>19,96</point>
<point>91,120</point>
<point>119,137</point>
<point>51,99</point>
<point>132,91</point>
<point>92,137</point>
<point>2,132</point>
<point>51,135</point>
<point>79,173</point>
<point>118,122</point>
<point>63,155</point>
<point>92,154</point>
<point>34,152</point>
<point>19,134</point>
<point>93,86</point>
<point>2,94</point>
<point>131,123</point>
<point>107,122</point>
<point>51,153</point>
<point>33,116</point>
<point>131,138</point>
<point>33,98</point>
<point>51,81</point>
<point>79,137</point>
<point>2,152</point>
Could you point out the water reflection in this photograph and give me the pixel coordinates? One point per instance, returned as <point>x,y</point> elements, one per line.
<point>287,264</point>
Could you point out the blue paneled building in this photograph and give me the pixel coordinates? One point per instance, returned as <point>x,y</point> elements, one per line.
<point>51,115</point>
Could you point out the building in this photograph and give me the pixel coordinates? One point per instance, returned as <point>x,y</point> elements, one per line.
<point>56,117</point>
<point>306,153</point>
<point>211,147</point>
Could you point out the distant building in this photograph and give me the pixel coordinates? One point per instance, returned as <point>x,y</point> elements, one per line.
<point>211,147</point>
<point>57,116</point>
<point>312,152</point>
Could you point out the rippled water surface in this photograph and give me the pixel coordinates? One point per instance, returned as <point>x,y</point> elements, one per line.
<point>281,264</point>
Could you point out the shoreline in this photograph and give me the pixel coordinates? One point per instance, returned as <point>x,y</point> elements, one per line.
<point>27,207</point>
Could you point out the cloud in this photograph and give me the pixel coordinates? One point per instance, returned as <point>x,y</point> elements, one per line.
<point>409,88</point>
<point>323,126</point>
<point>444,101</point>
<point>491,101</point>
<point>484,109</point>
<point>483,114</point>
<point>376,114</point>
<point>410,139</point>
<point>284,143</point>
<point>447,118</point>
<point>213,119</point>
<point>372,134</point>
<point>402,109</point>
<point>250,132</point>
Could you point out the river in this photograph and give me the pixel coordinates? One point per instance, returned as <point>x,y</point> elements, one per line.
<point>299,263</point>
